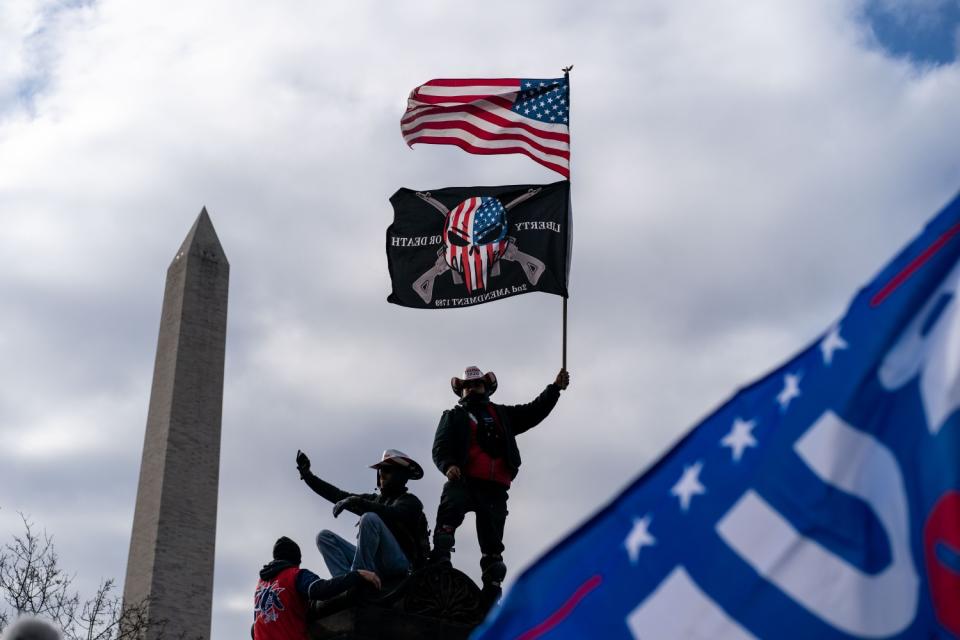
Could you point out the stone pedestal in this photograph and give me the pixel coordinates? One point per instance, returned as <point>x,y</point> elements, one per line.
<point>435,603</point>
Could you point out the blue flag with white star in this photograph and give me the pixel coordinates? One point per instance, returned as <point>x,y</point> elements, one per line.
<point>822,501</point>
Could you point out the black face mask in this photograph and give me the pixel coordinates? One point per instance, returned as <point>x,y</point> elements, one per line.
<point>475,399</point>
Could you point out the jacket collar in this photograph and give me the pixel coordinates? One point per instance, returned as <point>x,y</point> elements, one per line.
<point>274,567</point>
<point>393,492</point>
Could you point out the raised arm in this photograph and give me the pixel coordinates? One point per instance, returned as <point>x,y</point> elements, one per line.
<point>320,487</point>
<point>526,416</point>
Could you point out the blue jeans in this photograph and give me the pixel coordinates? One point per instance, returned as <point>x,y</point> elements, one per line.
<point>376,550</point>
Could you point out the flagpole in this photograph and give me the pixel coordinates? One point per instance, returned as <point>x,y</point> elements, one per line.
<point>564,332</point>
<point>566,75</point>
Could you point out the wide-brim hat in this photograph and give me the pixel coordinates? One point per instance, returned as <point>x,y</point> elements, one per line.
<point>396,458</point>
<point>471,374</point>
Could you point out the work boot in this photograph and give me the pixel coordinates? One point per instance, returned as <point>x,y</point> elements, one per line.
<point>489,596</point>
<point>443,541</point>
<point>492,570</point>
<point>439,556</point>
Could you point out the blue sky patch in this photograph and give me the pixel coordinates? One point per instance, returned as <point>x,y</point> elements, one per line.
<point>926,33</point>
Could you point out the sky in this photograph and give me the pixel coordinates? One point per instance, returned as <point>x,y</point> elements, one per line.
<point>739,169</point>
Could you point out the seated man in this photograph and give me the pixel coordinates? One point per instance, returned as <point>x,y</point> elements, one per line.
<point>392,538</point>
<point>284,590</point>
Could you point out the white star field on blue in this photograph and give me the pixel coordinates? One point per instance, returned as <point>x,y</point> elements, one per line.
<point>489,216</point>
<point>544,100</point>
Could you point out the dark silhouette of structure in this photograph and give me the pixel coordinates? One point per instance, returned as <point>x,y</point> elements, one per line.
<point>436,602</point>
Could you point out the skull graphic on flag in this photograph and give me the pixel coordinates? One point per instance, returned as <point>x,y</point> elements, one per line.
<point>474,241</point>
<point>475,238</point>
<point>461,246</point>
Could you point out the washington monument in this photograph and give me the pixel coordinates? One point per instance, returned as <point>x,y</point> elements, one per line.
<point>170,565</point>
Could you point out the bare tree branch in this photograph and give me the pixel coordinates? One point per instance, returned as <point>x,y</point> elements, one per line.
<point>32,583</point>
<point>31,580</point>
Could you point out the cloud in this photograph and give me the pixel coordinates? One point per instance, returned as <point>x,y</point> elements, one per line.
<point>739,169</point>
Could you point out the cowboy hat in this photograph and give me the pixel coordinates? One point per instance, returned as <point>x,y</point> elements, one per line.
<point>471,374</point>
<point>396,458</point>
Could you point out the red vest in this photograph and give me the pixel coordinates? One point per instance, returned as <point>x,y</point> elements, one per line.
<point>479,463</point>
<point>281,612</point>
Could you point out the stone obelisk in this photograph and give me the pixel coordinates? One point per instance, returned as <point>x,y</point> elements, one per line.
<point>170,566</point>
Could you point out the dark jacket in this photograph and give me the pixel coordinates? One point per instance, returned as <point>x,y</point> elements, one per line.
<point>452,441</point>
<point>310,585</point>
<point>400,510</point>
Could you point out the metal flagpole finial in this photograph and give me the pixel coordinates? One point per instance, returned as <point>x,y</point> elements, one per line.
<point>566,70</point>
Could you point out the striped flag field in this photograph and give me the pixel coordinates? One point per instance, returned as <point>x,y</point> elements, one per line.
<point>493,116</point>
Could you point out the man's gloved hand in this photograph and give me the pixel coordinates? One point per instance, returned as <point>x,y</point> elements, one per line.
<point>453,472</point>
<point>563,379</point>
<point>345,504</point>
<point>303,463</point>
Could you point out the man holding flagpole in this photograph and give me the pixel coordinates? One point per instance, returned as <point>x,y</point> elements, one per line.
<point>476,448</point>
<point>462,246</point>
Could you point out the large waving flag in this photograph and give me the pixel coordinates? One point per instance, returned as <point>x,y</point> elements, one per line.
<point>494,115</point>
<point>822,501</point>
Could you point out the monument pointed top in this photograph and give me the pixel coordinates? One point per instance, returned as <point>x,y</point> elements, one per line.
<point>173,539</point>
<point>202,241</point>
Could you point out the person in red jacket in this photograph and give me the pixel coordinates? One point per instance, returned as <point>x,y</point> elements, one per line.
<point>285,590</point>
<point>475,447</point>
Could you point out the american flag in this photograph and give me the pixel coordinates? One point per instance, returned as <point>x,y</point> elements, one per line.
<point>475,237</point>
<point>489,116</point>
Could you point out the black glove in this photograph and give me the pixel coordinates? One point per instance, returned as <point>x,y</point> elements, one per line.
<point>344,504</point>
<point>303,463</point>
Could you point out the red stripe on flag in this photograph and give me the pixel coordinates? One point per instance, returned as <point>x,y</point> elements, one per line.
<point>464,210</point>
<point>468,82</point>
<point>467,270</point>
<point>454,115</point>
<point>466,146</point>
<point>445,101</point>
<point>914,265</point>
<point>454,223</point>
<point>465,224</point>
<point>474,130</point>
<point>501,102</point>
<point>565,610</point>
<point>478,270</point>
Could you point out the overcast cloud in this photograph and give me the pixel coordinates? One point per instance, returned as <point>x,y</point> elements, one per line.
<point>739,169</point>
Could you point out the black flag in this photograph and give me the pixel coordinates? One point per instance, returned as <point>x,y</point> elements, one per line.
<point>462,246</point>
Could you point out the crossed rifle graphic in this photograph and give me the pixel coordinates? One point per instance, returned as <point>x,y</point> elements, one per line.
<point>532,267</point>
